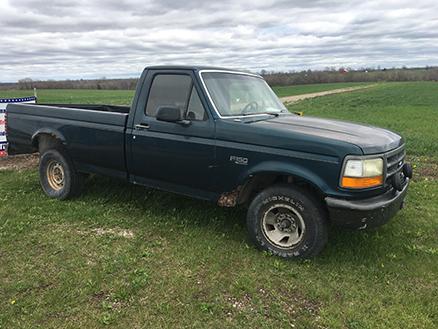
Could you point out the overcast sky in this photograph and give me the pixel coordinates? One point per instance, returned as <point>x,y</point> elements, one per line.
<point>58,39</point>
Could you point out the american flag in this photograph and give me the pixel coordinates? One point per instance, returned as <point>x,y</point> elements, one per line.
<point>3,103</point>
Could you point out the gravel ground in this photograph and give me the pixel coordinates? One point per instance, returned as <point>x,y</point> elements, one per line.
<point>19,162</point>
<point>297,98</point>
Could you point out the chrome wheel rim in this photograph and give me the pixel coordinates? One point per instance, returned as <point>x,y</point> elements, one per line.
<point>55,175</point>
<point>283,226</point>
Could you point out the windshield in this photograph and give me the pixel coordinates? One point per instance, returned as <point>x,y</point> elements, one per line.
<point>239,94</point>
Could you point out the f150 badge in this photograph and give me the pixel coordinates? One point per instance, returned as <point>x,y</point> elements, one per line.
<point>239,160</point>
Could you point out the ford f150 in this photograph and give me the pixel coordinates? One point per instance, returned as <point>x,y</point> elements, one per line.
<point>223,136</point>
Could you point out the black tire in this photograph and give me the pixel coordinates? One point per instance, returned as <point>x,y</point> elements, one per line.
<point>72,182</point>
<point>298,212</point>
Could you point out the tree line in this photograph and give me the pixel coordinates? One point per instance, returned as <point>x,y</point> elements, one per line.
<point>328,75</point>
<point>346,75</point>
<point>108,84</point>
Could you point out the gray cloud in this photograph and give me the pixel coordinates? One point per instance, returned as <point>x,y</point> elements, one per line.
<point>91,38</point>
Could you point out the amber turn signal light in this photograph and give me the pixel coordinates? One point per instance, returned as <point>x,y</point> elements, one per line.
<point>361,182</point>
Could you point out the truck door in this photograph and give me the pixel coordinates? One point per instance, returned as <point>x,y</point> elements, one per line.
<point>170,155</point>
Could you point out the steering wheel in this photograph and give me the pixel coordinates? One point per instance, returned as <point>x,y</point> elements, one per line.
<point>250,107</point>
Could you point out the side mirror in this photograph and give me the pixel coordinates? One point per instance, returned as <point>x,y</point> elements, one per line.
<point>169,114</point>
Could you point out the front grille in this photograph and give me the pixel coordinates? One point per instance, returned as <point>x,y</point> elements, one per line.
<point>394,162</point>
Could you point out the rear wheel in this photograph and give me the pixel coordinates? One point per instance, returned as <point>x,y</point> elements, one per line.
<point>288,222</point>
<point>58,177</point>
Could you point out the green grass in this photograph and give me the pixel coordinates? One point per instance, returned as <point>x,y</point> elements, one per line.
<point>124,256</point>
<point>283,91</point>
<point>85,96</point>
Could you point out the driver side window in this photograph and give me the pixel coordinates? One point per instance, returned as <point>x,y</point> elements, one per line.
<point>168,90</point>
<point>176,90</point>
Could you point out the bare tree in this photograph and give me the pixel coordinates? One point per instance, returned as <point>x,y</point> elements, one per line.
<point>26,83</point>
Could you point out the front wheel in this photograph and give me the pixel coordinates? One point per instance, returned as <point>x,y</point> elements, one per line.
<point>288,222</point>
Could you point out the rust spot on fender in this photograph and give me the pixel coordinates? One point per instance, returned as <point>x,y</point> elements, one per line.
<point>229,199</point>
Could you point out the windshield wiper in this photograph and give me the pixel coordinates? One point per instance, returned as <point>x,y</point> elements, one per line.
<point>276,114</point>
<point>256,119</point>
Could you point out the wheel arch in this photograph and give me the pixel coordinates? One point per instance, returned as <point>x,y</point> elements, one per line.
<point>267,174</point>
<point>47,138</point>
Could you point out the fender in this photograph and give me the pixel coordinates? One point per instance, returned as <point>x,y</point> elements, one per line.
<point>47,131</point>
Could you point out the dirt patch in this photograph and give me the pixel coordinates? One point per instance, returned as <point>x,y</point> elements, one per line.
<point>297,98</point>
<point>105,299</point>
<point>424,167</point>
<point>19,162</point>
<point>428,170</point>
<point>292,303</point>
<point>118,232</point>
<point>242,303</point>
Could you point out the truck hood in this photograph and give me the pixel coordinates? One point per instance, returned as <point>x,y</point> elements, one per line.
<point>370,139</point>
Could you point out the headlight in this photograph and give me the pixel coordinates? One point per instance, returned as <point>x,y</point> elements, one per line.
<point>362,173</point>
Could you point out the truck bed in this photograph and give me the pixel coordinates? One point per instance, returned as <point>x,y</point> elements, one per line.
<point>94,135</point>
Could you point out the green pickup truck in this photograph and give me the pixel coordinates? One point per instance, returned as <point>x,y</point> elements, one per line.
<point>224,136</point>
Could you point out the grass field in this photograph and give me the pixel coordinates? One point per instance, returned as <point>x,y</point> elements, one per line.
<point>128,257</point>
<point>123,97</point>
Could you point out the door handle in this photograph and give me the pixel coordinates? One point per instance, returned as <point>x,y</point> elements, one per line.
<point>142,126</point>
